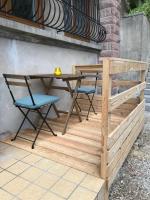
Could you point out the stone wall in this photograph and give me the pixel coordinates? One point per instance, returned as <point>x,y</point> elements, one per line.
<point>110,18</point>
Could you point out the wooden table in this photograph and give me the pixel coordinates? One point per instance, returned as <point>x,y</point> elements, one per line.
<point>73,93</point>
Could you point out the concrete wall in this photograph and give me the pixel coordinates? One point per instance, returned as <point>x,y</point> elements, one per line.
<point>135,37</point>
<point>25,57</point>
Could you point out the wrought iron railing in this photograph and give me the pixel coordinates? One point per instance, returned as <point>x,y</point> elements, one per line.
<point>77,17</point>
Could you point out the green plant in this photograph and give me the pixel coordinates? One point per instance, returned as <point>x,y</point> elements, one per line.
<point>139,6</point>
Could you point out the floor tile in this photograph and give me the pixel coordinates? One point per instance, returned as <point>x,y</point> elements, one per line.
<point>92,183</point>
<point>82,194</point>
<point>19,153</point>
<point>1,169</point>
<point>74,175</point>
<point>16,152</point>
<point>16,185</point>
<point>32,192</point>
<point>58,169</point>
<point>47,180</point>
<point>63,188</point>
<point>18,167</point>
<point>3,146</point>
<point>5,195</point>
<point>51,196</point>
<point>31,174</point>
<point>44,164</point>
<point>5,177</point>
<point>6,162</point>
<point>31,159</point>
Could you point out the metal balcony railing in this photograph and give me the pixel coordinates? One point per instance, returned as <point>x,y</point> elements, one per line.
<point>77,17</point>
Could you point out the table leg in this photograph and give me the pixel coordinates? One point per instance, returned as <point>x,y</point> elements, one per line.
<point>47,89</point>
<point>73,95</point>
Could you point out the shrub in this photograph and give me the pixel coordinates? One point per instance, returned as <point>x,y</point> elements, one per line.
<point>143,7</point>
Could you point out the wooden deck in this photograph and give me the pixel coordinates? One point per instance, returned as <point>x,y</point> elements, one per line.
<point>98,146</point>
<point>79,148</point>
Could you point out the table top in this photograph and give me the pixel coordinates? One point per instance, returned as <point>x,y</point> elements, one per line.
<point>63,76</point>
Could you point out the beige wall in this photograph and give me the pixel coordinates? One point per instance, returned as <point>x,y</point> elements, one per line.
<point>23,57</point>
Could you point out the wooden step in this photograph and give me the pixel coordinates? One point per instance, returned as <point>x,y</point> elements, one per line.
<point>43,142</point>
<point>74,142</point>
<point>57,157</point>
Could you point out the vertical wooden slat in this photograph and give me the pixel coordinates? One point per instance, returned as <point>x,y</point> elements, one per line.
<point>106,91</point>
<point>142,80</point>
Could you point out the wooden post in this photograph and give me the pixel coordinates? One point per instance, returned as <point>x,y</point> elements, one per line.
<point>106,92</point>
<point>142,76</point>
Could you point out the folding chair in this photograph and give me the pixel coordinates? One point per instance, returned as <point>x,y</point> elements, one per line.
<point>88,91</point>
<point>32,102</point>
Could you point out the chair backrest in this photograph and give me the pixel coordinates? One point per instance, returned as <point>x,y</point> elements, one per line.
<point>90,81</point>
<point>92,73</point>
<point>19,81</point>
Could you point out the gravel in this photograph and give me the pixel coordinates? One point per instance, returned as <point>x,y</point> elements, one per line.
<point>133,179</point>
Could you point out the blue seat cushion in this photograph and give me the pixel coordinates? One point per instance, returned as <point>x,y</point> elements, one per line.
<point>86,90</point>
<point>39,99</point>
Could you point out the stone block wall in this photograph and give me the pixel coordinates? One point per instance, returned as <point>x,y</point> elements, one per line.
<point>110,19</point>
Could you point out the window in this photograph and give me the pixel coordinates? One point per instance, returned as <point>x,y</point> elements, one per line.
<point>79,19</point>
<point>23,8</point>
<point>77,22</point>
<point>26,11</point>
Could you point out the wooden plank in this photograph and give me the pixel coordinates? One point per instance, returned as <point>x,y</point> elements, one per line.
<point>143,73</point>
<point>112,138</point>
<point>65,149</point>
<point>68,141</point>
<point>79,126</point>
<point>121,66</point>
<point>106,90</point>
<point>59,88</point>
<point>118,155</point>
<point>122,138</point>
<point>22,84</point>
<point>119,99</point>
<point>86,135</point>
<point>78,138</point>
<point>15,76</point>
<point>115,83</point>
<point>127,146</point>
<point>88,68</point>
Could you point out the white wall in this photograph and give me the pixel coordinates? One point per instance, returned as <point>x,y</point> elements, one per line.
<point>29,58</point>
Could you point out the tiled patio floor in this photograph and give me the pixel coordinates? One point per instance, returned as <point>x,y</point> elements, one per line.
<point>26,176</point>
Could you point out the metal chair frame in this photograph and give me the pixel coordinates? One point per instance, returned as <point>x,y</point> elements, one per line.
<point>88,96</point>
<point>21,108</point>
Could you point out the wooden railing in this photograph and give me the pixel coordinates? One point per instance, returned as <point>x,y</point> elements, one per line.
<point>117,143</point>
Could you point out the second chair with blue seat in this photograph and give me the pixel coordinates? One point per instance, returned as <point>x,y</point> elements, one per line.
<point>89,91</point>
<point>32,102</point>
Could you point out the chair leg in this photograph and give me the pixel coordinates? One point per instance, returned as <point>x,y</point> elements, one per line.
<point>78,105</point>
<point>56,111</point>
<point>44,121</point>
<point>91,106</point>
<point>28,118</point>
<point>25,116</point>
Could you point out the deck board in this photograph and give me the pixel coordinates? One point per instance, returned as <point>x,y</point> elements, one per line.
<point>79,148</point>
